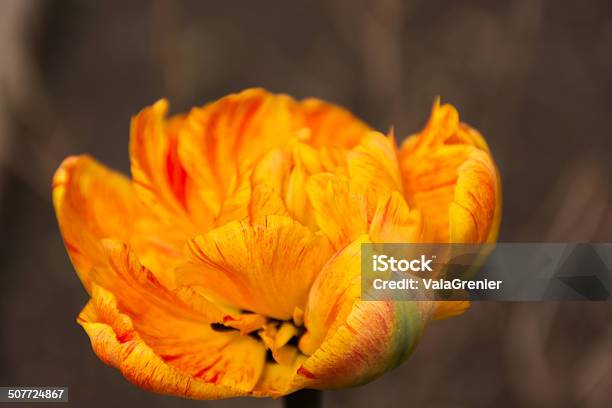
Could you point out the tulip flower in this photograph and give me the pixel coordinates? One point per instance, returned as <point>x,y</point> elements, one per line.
<point>229,264</point>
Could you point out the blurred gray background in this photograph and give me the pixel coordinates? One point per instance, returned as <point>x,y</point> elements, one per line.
<point>535,77</point>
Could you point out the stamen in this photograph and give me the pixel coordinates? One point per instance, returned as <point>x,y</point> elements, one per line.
<point>284,334</point>
<point>298,316</point>
<point>280,338</point>
<point>277,338</point>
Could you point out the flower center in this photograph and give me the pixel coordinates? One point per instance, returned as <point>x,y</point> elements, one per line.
<point>280,337</point>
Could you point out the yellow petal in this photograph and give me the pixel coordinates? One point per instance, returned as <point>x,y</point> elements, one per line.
<point>340,210</point>
<point>285,171</point>
<point>286,355</point>
<point>394,222</point>
<point>285,332</point>
<point>272,170</point>
<point>332,296</point>
<point>210,312</point>
<point>276,378</point>
<point>245,322</point>
<point>309,157</point>
<point>446,309</point>
<point>373,167</point>
<point>331,125</point>
<point>265,201</point>
<point>236,204</point>
<point>276,338</point>
<point>296,200</point>
<point>266,266</point>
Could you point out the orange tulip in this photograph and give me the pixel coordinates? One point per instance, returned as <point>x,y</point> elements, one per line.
<point>229,264</point>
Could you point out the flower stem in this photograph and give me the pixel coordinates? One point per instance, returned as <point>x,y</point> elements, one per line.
<point>303,399</point>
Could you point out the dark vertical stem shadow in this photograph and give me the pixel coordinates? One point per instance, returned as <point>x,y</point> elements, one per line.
<point>303,399</point>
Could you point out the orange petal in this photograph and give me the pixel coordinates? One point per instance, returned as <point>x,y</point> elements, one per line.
<point>266,266</point>
<point>181,335</point>
<point>157,174</point>
<point>443,127</point>
<point>449,176</point>
<point>91,202</point>
<point>117,343</point>
<point>376,337</point>
<point>255,126</point>
<point>475,211</point>
<point>235,129</point>
<point>351,341</point>
<point>330,125</point>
